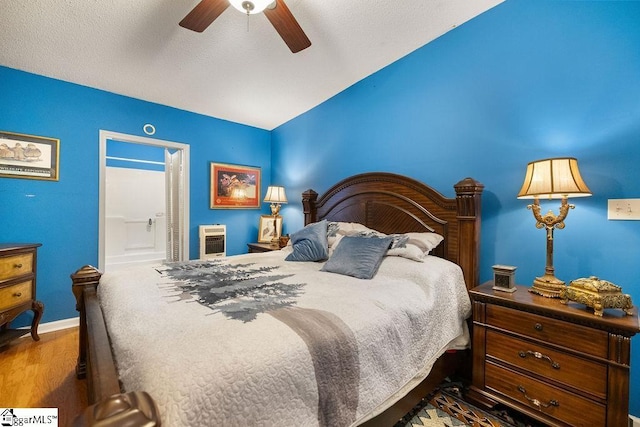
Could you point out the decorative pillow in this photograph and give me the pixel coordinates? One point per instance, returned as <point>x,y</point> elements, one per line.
<point>332,229</point>
<point>409,251</point>
<point>310,243</point>
<point>413,246</point>
<point>337,229</point>
<point>358,256</point>
<point>398,240</point>
<point>425,241</point>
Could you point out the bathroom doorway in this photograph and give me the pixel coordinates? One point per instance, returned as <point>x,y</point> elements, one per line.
<point>144,200</point>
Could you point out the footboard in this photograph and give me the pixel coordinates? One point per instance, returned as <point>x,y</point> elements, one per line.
<point>108,405</point>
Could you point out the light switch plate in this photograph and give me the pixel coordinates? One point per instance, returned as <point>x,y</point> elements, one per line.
<point>624,209</point>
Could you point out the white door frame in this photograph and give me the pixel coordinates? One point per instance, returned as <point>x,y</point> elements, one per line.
<point>106,135</point>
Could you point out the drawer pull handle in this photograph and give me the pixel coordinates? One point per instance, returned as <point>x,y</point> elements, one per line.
<point>538,355</point>
<point>536,402</point>
<point>538,327</point>
<point>17,294</point>
<point>17,265</point>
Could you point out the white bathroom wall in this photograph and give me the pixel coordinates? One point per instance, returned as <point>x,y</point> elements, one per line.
<point>135,227</point>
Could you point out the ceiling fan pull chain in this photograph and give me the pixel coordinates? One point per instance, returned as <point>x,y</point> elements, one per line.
<point>248,6</point>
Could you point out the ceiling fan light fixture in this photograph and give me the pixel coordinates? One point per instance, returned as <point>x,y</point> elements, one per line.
<point>250,7</point>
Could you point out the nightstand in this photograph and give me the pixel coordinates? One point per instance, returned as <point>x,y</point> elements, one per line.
<point>18,289</point>
<point>261,247</point>
<point>559,364</point>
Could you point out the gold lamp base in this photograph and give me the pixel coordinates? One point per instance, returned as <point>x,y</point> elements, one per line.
<point>547,286</point>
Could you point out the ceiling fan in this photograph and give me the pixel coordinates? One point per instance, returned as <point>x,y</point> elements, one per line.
<point>276,12</point>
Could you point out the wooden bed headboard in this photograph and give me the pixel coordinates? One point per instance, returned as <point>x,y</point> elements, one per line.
<point>393,203</point>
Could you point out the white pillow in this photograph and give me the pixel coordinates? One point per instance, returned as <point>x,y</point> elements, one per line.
<point>425,241</point>
<point>409,251</point>
<point>335,229</point>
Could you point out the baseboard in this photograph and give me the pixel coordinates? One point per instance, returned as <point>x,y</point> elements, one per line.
<point>57,325</point>
<point>634,421</point>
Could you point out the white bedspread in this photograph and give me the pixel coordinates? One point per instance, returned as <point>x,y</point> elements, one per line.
<point>289,346</point>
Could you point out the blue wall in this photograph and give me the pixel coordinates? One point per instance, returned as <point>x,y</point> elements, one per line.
<point>526,80</point>
<point>63,215</point>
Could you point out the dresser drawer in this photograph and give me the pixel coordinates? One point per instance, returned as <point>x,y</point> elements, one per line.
<point>549,400</point>
<point>574,371</point>
<point>569,335</point>
<point>13,295</point>
<point>16,265</point>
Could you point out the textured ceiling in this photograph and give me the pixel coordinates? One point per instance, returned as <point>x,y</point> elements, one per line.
<point>239,69</point>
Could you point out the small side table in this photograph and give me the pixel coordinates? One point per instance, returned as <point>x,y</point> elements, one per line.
<point>261,247</point>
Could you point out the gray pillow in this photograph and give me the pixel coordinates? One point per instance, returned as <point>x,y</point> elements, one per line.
<point>358,256</point>
<point>310,243</point>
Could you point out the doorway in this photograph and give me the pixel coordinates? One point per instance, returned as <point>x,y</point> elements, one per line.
<point>144,200</point>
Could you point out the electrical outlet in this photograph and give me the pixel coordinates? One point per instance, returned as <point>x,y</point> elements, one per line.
<point>623,209</point>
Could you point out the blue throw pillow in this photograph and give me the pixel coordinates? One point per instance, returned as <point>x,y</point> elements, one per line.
<point>358,256</point>
<point>310,243</point>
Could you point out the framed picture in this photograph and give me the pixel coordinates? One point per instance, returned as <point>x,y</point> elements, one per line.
<point>266,229</point>
<point>29,156</point>
<point>234,186</point>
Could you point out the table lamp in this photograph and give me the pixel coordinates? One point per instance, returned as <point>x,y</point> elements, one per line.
<point>557,178</point>
<point>276,196</point>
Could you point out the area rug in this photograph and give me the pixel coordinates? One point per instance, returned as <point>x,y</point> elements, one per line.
<point>446,407</point>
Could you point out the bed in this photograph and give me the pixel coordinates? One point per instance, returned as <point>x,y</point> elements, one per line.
<point>329,328</point>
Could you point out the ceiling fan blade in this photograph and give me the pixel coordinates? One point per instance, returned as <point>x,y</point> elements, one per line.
<point>286,25</point>
<point>204,14</point>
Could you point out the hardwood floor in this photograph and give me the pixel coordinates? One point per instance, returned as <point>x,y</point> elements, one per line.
<point>42,374</point>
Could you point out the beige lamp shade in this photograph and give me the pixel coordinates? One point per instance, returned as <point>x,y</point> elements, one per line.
<point>275,194</point>
<point>554,179</point>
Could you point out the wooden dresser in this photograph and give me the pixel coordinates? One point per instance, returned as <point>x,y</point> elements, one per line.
<point>18,264</point>
<point>559,364</point>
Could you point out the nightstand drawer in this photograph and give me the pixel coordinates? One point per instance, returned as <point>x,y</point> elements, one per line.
<point>576,337</point>
<point>583,374</point>
<point>13,295</point>
<point>16,265</point>
<point>549,400</point>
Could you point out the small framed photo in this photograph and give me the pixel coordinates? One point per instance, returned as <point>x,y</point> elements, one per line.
<point>234,186</point>
<point>504,278</point>
<point>266,229</point>
<point>29,156</point>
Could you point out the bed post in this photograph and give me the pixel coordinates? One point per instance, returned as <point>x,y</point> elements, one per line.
<point>468,198</point>
<point>86,277</point>
<point>309,206</point>
<point>95,361</point>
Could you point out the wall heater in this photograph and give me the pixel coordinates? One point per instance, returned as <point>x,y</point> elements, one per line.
<point>213,241</point>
